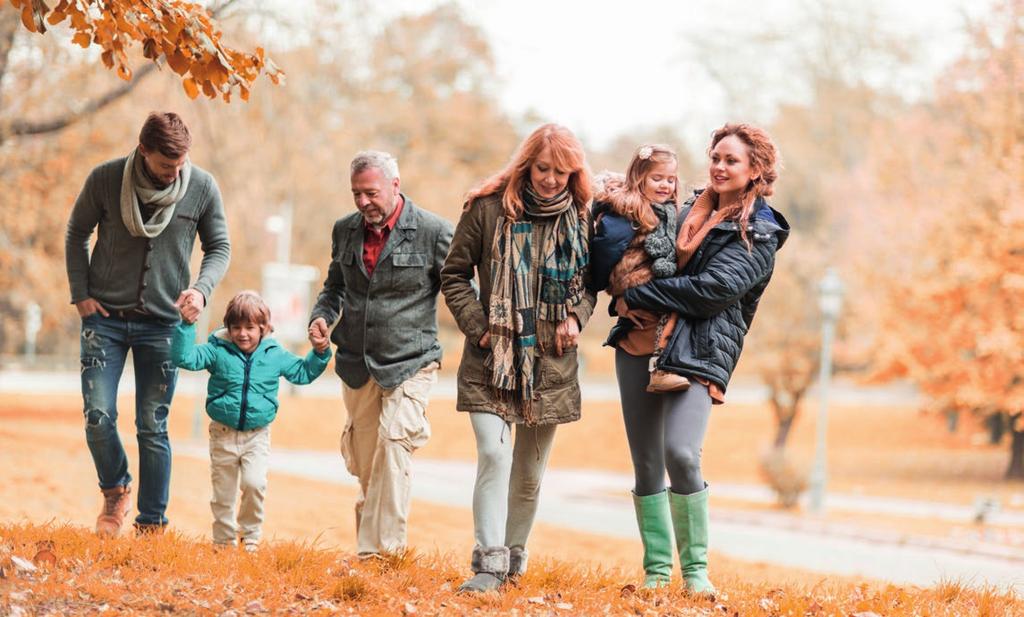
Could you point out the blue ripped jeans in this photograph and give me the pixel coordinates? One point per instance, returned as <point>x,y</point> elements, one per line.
<point>105,345</point>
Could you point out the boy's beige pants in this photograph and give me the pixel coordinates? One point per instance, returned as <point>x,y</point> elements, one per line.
<point>383,429</point>
<point>238,459</point>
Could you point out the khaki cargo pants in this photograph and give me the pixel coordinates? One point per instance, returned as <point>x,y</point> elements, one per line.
<point>383,429</point>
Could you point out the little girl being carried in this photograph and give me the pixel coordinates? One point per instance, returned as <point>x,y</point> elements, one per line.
<point>245,365</point>
<point>636,223</point>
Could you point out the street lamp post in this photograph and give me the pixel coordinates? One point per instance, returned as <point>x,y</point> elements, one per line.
<point>830,300</point>
<point>281,226</point>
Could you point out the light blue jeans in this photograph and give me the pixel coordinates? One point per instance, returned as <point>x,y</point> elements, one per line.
<point>105,345</point>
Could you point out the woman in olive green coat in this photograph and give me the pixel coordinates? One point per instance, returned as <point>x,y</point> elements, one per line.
<point>524,237</point>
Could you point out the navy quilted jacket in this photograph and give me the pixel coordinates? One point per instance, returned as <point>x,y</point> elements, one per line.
<point>716,295</point>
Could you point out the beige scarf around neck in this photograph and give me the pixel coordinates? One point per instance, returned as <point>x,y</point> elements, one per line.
<point>136,186</point>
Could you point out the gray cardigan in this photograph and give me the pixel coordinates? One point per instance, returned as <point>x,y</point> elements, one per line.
<point>388,326</point>
<point>124,272</point>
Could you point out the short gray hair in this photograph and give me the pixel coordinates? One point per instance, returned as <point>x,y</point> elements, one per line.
<point>386,163</point>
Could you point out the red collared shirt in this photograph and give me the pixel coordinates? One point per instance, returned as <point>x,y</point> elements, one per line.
<point>374,240</point>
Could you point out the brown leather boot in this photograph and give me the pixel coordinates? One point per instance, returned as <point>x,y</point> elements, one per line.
<point>664,381</point>
<point>115,509</point>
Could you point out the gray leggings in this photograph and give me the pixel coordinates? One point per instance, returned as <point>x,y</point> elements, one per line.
<point>664,431</point>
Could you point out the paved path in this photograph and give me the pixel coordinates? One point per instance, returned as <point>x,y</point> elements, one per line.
<point>329,386</point>
<point>596,502</point>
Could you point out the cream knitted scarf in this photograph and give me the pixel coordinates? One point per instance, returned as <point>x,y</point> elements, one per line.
<point>136,186</point>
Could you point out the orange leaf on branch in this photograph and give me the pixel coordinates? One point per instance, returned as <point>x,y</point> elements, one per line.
<point>82,38</point>
<point>191,89</point>
<point>186,33</point>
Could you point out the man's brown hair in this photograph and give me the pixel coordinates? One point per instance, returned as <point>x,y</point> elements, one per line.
<point>248,307</point>
<point>166,133</point>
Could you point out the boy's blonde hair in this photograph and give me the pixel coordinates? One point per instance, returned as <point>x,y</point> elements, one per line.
<point>248,307</point>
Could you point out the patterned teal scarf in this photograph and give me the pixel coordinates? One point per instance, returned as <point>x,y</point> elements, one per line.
<point>513,312</point>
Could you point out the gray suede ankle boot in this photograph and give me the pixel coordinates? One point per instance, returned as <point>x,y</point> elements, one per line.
<point>490,567</point>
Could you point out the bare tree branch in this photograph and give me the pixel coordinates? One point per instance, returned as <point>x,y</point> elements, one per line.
<point>24,127</point>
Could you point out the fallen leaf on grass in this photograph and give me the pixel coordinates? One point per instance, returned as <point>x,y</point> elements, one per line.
<point>45,557</point>
<point>255,606</point>
<point>565,606</point>
<point>409,609</point>
<point>627,590</point>
<point>535,600</point>
<point>767,604</point>
<point>23,565</point>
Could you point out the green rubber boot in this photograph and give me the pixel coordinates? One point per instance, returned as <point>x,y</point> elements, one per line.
<point>655,523</point>
<point>690,520</point>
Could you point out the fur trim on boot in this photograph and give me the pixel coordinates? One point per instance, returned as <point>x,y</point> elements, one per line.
<point>517,559</point>
<point>491,559</point>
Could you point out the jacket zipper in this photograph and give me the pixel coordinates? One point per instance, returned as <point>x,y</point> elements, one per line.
<point>245,394</point>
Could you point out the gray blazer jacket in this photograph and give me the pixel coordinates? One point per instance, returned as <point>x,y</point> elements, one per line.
<point>388,325</point>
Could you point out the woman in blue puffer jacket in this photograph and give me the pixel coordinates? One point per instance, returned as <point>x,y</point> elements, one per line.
<point>245,365</point>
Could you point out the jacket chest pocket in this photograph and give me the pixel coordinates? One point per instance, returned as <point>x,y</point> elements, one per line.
<point>408,270</point>
<point>349,265</point>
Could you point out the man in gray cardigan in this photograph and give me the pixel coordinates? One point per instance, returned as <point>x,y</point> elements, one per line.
<point>383,280</point>
<point>146,209</point>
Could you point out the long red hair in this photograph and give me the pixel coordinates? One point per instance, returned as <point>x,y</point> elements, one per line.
<point>566,153</point>
<point>764,157</point>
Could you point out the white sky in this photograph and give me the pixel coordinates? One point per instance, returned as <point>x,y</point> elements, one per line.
<point>604,68</point>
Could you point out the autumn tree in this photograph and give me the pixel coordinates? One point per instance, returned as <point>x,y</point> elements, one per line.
<point>946,213</point>
<point>288,145</point>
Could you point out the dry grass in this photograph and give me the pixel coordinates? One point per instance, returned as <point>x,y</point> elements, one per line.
<point>75,573</point>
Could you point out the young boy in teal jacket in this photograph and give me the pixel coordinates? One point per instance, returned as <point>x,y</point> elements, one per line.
<point>245,366</point>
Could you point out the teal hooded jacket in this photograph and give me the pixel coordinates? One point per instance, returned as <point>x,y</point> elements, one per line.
<point>242,392</point>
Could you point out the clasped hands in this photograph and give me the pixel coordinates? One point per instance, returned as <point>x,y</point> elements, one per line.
<point>319,336</point>
<point>567,335</point>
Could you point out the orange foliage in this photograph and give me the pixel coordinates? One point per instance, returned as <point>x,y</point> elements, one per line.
<point>182,34</point>
<point>948,223</point>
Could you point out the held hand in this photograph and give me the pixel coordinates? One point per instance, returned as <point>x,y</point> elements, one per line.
<point>623,310</point>
<point>89,306</point>
<point>190,304</point>
<point>318,333</point>
<point>321,345</point>
<point>567,334</point>
<point>485,341</point>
